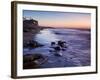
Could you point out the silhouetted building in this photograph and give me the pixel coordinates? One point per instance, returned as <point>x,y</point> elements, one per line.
<point>31,21</point>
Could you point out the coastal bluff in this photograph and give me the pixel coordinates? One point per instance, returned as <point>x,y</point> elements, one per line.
<point>30,29</point>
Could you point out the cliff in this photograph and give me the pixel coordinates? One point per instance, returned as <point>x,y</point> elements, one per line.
<point>30,29</point>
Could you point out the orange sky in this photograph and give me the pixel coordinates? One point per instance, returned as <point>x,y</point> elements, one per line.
<point>60,19</point>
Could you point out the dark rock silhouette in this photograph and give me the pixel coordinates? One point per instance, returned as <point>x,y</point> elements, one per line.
<point>28,25</point>
<point>33,60</point>
<point>30,29</point>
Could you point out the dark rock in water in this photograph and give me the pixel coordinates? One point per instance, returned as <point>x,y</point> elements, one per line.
<point>32,44</point>
<point>58,55</point>
<point>33,60</point>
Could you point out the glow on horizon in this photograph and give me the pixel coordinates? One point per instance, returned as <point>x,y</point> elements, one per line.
<point>60,19</point>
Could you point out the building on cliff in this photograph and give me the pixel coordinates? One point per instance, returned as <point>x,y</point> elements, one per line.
<point>29,24</point>
<point>31,21</point>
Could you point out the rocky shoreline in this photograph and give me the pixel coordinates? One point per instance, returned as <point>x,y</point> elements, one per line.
<point>30,29</point>
<point>36,55</point>
<point>33,60</point>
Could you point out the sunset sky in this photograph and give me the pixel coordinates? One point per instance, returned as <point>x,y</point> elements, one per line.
<point>60,19</point>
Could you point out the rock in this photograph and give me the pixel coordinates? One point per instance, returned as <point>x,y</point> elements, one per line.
<point>30,29</point>
<point>32,44</point>
<point>33,60</point>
